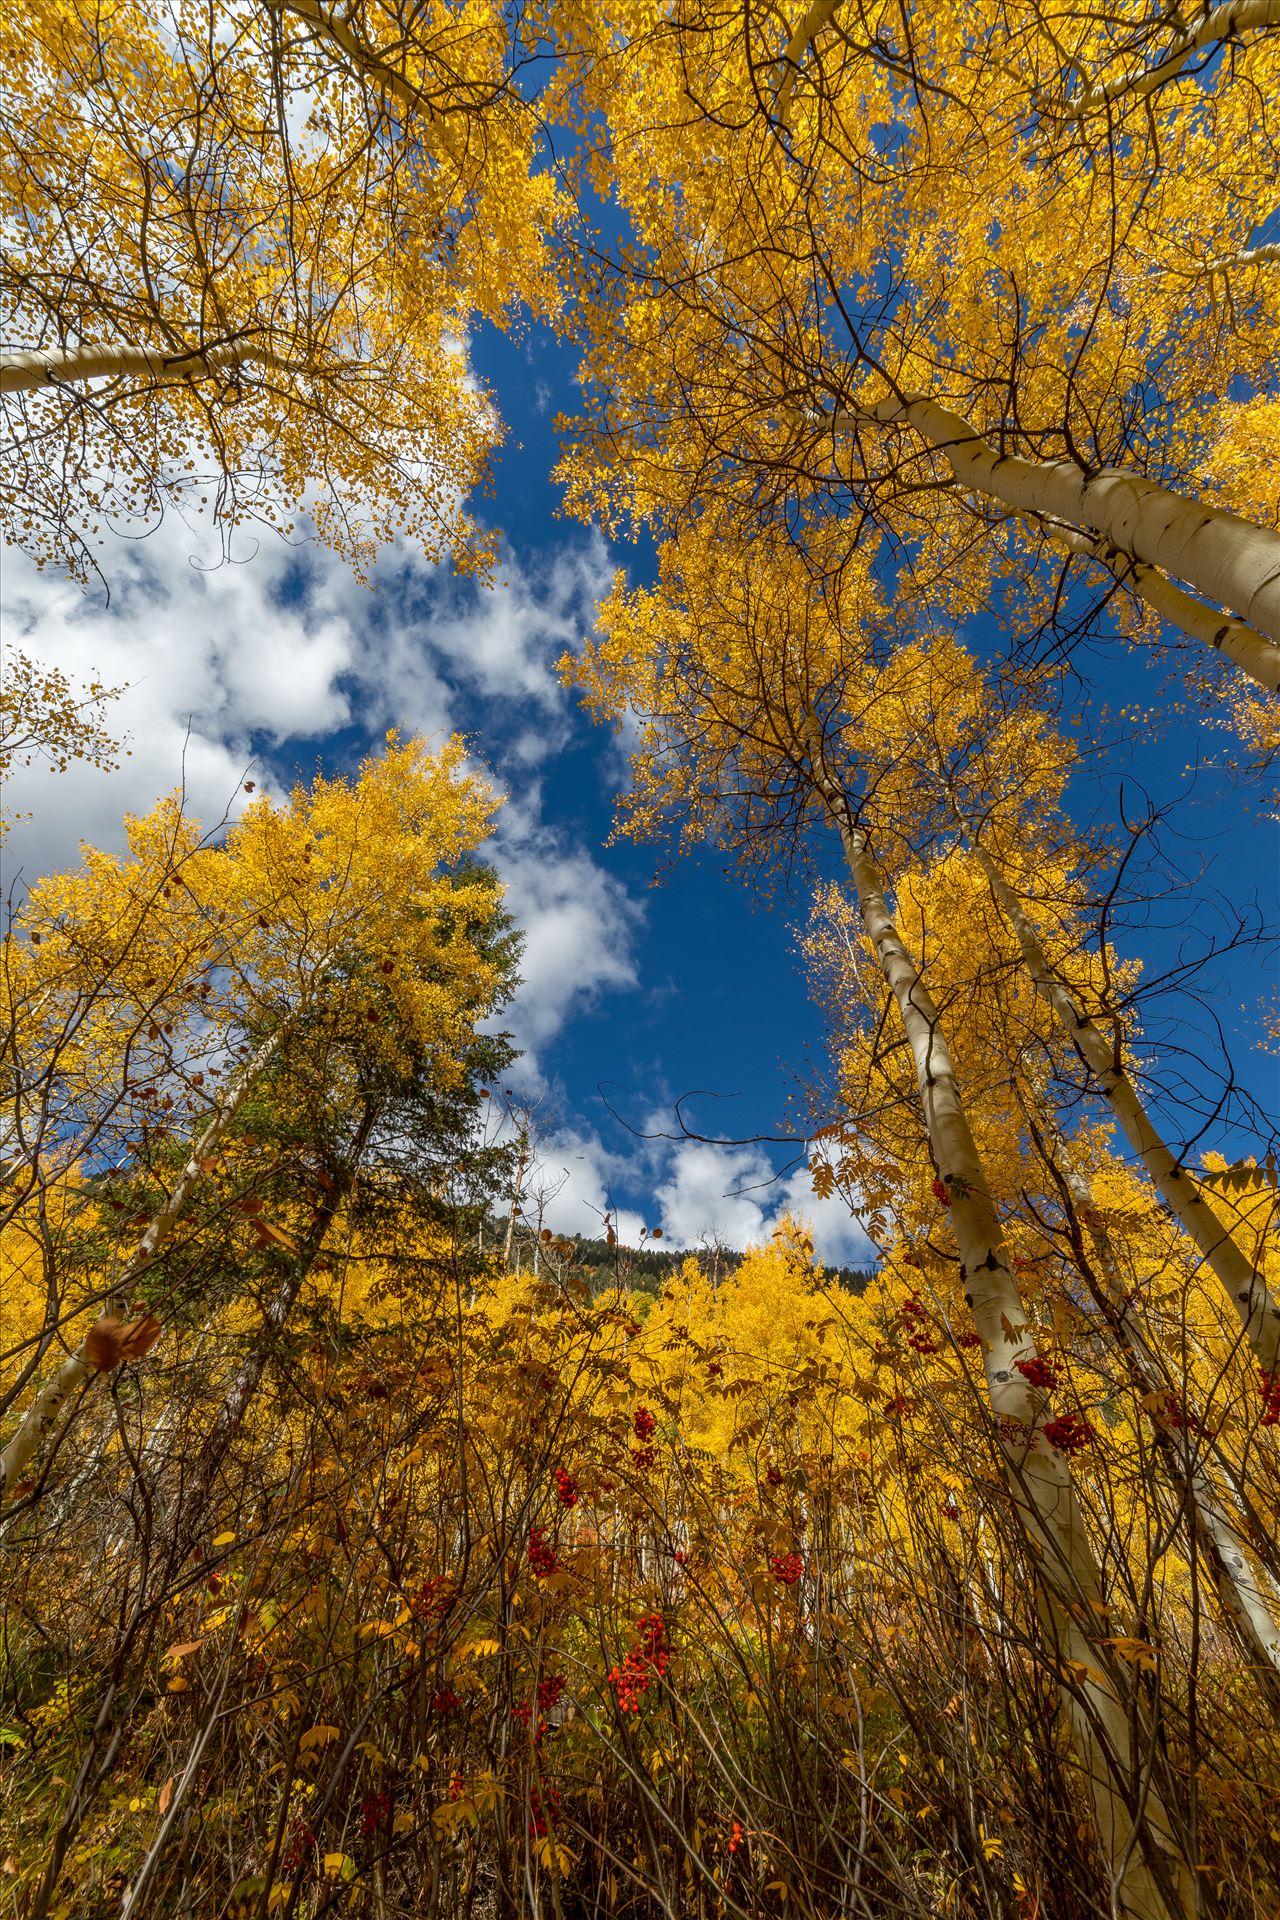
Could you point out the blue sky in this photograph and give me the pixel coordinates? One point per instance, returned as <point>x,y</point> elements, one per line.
<point>634,995</point>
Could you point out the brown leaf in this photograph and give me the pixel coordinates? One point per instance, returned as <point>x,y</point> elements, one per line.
<point>139,1337</point>
<point>165,1796</point>
<point>102,1346</point>
<point>266,1232</point>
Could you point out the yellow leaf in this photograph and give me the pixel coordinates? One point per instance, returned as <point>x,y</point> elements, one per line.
<point>223,1539</point>
<point>318,1736</point>
<point>339,1866</point>
<point>1138,1651</point>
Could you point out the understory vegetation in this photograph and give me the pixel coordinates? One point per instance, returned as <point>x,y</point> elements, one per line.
<point>369,1548</point>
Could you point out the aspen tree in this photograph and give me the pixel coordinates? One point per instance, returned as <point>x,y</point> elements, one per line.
<point>110,1341</point>
<point>1011,762</point>
<point>916,313</point>
<point>1244,1284</point>
<point>240,268</point>
<point>730,742</point>
<point>356,949</point>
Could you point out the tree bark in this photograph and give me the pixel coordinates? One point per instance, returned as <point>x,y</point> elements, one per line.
<point>1226,22</point>
<point>1232,638</point>
<point>1151,1876</point>
<point>24,371</point>
<point>80,1368</point>
<point>813,21</point>
<point>1258,1311</point>
<point>1265,256</point>
<point>1227,561</point>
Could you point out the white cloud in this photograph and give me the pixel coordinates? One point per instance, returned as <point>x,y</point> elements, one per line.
<point>210,657</point>
<point>500,643</point>
<point>701,1194</point>
<point>732,1194</point>
<point>578,924</point>
<point>580,1179</point>
<point>285,647</point>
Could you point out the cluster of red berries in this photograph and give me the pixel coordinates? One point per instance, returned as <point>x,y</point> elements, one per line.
<point>645,1424</point>
<point>650,1655</point>
<point>643,1458</point>
<point>735,1838</point>
<point>1068,1433</point>
<point>786,1568</point>
<point>446,1701</point>
<point>549,1691</point>
<point>543,1814</point>
<point>1269,1387</point>
<point>919,1330</point>
<point>301,1842</point>
<point>455,1787</point>
<point>896,1405</point>
<point>970,1340</point>
<point>375,1811</point>
<point>566,1488</point>
<point>1037,1373</point>
<point>432,1600</point>
<point>940,1193</point>
<point>542,1555</point>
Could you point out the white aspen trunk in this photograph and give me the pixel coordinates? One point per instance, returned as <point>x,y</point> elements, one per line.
<point>1266,256</point>
<point>516,1191</point>
<point>24,371</point>
<point>1240,1589</point>
<point>1245,1286</point>
<point>1226,560</point>
<point>1229,21</point>
<point>1040,1476</point>
<point>78,1369</point>
<point>814,20</point>
<point>1239,643</point>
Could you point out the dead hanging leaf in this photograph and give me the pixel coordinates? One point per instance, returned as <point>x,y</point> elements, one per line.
<point>140,1336</point>
<point>267,1234</point>
<point>180,1652</point>
<point>108,1344</point>
<point>165,1796</point>
<point>102,1344</point>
